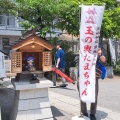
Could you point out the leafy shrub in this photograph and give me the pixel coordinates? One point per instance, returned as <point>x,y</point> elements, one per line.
<point>117,68</point>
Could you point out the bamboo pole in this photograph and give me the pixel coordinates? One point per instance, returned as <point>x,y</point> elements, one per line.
<point>79,63</point>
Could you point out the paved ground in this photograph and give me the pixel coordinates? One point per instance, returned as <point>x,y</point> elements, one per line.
<point>69,107</point>
<point>109,93</point>
<point>65,102</point>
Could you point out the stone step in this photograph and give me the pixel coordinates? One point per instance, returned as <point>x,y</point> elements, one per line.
<point>32,94</point>
<point>32,104</point>
<point>38,114</point>
<point>26,84</point>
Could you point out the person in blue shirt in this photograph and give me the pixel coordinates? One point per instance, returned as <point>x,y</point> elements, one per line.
<point>60,62</point>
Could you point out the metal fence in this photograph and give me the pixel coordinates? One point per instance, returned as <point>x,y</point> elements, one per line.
<point>106,49</point>
<point>117,50</point>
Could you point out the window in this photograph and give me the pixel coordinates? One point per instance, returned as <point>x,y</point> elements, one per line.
<point>8,21</point>
<point>11,21</point>
<point>5,41</point>
<point>2,20</point>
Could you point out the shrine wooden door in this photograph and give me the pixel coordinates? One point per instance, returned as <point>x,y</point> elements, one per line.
<point>47,61</point>
<point>16,62</point>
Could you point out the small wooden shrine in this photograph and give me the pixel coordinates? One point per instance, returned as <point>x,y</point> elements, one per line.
<point>34,47</point>
<point>31,56</point>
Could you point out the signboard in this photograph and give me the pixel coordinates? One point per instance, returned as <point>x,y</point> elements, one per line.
<point>91,20</point>
<point>2,65</point>
<point>8,66</point>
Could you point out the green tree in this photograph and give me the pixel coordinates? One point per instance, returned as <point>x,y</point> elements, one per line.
<point>6,7</point>
<point>70,22</point>
<point>111,24</point>
<point>41,13</point>
<point>38,14</point>
<point>67,12</point>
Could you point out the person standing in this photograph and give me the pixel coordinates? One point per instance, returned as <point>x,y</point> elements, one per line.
<point>60,62</point>
<point>100,59</point>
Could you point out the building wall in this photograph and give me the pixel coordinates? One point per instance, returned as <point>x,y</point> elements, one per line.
<point>12,39</point>
<point>9,28</point>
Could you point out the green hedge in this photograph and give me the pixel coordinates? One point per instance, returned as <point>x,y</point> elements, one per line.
<point>117,68</point>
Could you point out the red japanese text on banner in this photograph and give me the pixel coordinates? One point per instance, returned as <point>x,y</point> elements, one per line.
<point>91,20</point>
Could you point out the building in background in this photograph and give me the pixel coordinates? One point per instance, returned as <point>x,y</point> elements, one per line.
<point>10,31</point>
<point>10,34</point>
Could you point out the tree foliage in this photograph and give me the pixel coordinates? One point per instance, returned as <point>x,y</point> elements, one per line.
<point>40,14</point>
<point>7,7</point>
<point>45,15</point>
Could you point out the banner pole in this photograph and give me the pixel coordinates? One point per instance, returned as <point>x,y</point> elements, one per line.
<point>79,60</point>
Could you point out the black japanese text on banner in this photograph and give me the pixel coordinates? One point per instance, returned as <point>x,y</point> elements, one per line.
<point>91,20</point>
<point>2,66</point>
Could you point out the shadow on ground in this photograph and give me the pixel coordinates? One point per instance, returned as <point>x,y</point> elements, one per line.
<point>101,115</point>
<point>64,88</point>
<point>56,112</point>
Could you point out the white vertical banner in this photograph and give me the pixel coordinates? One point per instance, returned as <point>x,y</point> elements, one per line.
<point>2,65</point>
<point>112,51</point>
<point>91,20</point>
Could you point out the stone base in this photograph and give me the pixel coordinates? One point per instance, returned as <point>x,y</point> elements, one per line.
<point>31,101</point>
<point>80,118</point>
<point>34,81</point>
<point>27,75</point>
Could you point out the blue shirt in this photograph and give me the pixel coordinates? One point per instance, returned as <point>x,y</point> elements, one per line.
<point>98,61</point>
<point>60,54</point>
